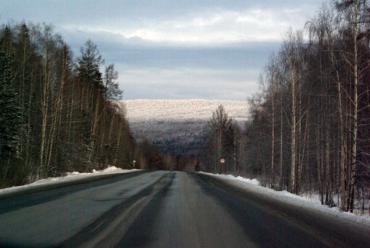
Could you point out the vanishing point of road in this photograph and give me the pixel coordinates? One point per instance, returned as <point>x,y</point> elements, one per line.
<point>164,209</point>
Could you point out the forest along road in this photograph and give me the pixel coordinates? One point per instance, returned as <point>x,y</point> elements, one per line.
<point>164,209</point>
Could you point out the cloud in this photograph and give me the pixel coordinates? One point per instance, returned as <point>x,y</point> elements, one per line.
<point>97,11</point>
<point>181,21</point>
<point>209,27</point>
<point>183,83</point>
<point>174,48</point>
<point>171,70</point>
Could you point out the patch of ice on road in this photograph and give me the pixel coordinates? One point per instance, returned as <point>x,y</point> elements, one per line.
<point>70,176</point>
<point>310,201</point>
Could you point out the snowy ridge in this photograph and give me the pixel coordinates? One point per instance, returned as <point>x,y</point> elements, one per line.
<point>307,201</point>
<point>179,110</point>
<point>178,126</point>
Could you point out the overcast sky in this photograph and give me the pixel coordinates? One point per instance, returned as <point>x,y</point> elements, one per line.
<point>212,49</point>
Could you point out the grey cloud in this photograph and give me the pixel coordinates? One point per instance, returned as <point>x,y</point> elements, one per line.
<point>139,53</point>
<point>188,83</point>
<point>74,11</point>
<point>161,69</point>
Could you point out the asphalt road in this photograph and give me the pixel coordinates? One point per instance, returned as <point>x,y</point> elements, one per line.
<point>164,209</point>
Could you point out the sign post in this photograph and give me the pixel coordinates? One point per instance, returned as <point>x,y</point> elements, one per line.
<point>222,162</point>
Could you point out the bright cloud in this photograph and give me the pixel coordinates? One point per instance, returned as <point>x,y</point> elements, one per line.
<point>250,25</point>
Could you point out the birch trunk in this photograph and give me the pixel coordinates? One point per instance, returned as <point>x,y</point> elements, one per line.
<point>355,106</point>
<point>44,111</point>
<point>293,169</point>
<point>273,137</point>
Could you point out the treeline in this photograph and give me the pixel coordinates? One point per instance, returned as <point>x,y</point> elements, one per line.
<point>309,130</point>
<point>57,113</point>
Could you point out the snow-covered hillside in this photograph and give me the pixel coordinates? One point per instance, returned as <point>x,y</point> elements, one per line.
<point>179,110</point>
<point>178,126</point>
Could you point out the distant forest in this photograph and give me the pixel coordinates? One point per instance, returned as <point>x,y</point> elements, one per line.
<point>309,129</point>
<point>57,113</point>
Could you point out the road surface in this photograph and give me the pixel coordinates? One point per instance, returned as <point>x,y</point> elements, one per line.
<point>164,209</point>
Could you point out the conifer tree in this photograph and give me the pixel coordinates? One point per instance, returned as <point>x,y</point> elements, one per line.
<point>10,115</point>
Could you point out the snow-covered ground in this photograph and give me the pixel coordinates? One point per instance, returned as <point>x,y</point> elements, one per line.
<point>307,201</point>
<point>70,176</point>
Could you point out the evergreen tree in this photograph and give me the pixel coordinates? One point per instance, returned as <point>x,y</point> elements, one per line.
<point>6,41</point>
<point>89,65</point>
<point>220,141</point>
<point>112,90</point>
<point>10,115</point>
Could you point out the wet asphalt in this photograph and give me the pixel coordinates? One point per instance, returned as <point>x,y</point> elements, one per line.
<point>164,209</point>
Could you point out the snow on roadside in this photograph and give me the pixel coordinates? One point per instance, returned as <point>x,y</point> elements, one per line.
<point>311,202</point>
<point>237,178</point>
<point>70,176</point>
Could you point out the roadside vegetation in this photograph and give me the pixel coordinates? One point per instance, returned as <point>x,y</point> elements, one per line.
<point>309,129</point>
<point>57,112</point>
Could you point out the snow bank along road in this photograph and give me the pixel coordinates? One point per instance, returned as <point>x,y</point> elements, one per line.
<point>165,209</point>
